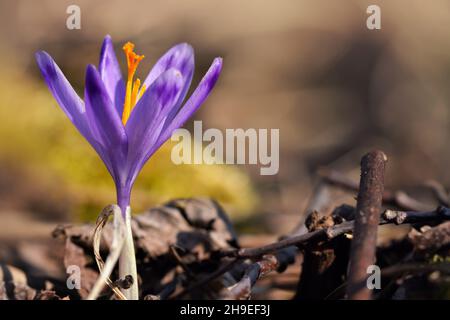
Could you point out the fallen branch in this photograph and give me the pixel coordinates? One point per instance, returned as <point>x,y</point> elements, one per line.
<point>242,289</point>
<point>388,217</point>
<point>367,219</point>
<point>410,217</point>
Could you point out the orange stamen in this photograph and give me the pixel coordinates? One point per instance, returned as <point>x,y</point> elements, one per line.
<point>142,91</point>
<point>132,93</point>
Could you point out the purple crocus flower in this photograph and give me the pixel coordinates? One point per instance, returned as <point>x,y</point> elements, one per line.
<point>124,122</point>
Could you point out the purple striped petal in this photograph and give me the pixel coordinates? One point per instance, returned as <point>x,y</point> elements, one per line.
<point>179,57</point>
<point>65,95</point>
<point>194,102</point>
<point>148,117</point>
<point>69,101</point>
<point>111,75</point>
<point>100,109</point>
<point>104,120</point>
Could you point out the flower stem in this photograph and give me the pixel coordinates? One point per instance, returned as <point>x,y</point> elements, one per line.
<point>127,260</point>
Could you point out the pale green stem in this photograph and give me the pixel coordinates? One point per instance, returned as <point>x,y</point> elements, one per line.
<point>127,260</point>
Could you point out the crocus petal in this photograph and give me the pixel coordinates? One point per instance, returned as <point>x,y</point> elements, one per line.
<point>148,117</point>
<point>111,75</point>
<point>194,102</point>
<point>69,101</point>
<point>100,109</point>
<point>104,120</point>
<point>179,57</point>
<point>65,95</point>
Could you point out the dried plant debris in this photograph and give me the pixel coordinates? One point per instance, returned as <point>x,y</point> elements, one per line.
<point>429,241</point>
<point>178,237</point>
<point>13,284</point>
<point>188,249</point>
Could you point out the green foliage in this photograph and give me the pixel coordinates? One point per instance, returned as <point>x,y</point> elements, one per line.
<point>37,135</point>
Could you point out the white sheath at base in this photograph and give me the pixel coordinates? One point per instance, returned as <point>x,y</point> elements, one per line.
<point>127,260</point>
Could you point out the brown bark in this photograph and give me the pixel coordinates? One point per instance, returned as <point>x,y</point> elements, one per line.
<point>367,218</point>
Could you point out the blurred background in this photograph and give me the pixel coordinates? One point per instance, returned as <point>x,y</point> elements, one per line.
<point>309,68</point>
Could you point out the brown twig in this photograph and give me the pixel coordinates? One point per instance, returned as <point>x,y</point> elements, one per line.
<point>241,290</point>
<point>367,218</point>
<point>317,235</point>
<point>401,217</point>
<point>392,217</point>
